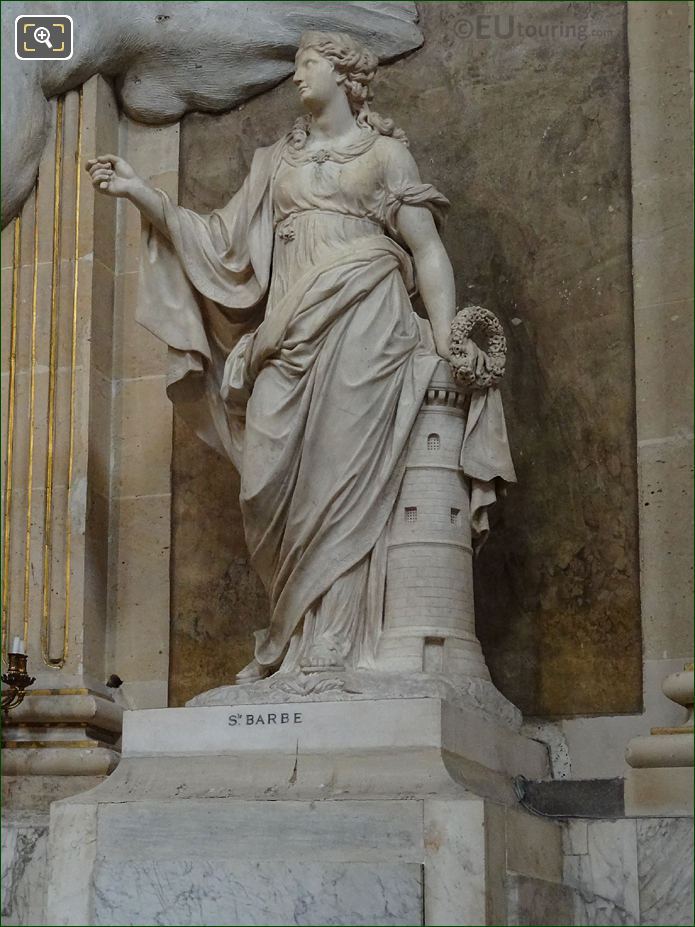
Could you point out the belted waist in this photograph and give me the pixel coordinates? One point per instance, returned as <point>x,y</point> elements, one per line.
<point>285,227</point>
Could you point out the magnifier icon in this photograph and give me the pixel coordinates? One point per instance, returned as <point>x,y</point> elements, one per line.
<point>43,35</point>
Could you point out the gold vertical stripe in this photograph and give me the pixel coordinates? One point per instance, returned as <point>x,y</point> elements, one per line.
<point>32,410</point>
<point>52,376</point>
<point>73,364</point>
<point>11,399</point>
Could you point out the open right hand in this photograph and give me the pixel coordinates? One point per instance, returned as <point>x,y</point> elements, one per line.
<point>111,175</point>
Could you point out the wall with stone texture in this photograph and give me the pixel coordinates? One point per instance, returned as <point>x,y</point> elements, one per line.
<point>660,49</point>
<point>528,134</point>
<point>661,97</point>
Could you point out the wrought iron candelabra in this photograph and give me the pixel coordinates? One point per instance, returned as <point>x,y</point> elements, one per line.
<point>16,681</point>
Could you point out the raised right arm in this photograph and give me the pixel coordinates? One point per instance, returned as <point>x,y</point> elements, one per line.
<point>113,176</point>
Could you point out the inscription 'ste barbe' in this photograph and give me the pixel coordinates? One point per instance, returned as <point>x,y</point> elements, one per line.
<point>265,718</point>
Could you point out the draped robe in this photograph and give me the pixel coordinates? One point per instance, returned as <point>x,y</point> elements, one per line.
<point>295,351</point>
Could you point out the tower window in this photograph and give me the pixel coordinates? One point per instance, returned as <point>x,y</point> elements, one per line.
<point>433,442</point>
<point>455,517</point>
<point>411,513</point>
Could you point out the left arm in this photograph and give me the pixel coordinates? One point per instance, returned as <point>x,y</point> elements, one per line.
<point>415,225</point>
<point>435,274</point>
<point>435,277</point>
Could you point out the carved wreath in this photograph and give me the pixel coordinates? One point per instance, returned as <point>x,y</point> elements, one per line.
<point>463,359</point>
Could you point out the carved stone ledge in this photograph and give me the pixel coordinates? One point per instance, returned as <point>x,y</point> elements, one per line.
<point>54,734</point>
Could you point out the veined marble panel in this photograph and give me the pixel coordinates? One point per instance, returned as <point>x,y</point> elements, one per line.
<point>613,859</point>
<point>664,860</point>
<point>605,876</point>
<point>332,831</point>
<point>455,862</point>
<point>187,892</point>
<point>24,844</point>
<point>596,911</point>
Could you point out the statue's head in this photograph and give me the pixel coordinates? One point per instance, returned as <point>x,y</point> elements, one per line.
<point>328,63</point>
<point>331,63</point>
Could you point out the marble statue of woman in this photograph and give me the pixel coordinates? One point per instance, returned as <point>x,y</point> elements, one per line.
<point>295,351</point>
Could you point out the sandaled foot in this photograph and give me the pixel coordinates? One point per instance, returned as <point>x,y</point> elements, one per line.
<point>253,672</point>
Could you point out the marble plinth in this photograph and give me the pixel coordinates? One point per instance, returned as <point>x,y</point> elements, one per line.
<point>362,811</point>
<point>311,748</point>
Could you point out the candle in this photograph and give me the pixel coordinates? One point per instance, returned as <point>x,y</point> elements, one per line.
<point>18,645</point>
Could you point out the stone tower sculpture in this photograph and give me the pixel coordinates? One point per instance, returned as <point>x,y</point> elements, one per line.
<point>429,618</point>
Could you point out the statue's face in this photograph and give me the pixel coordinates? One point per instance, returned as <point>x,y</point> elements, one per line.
<point>315,77</point>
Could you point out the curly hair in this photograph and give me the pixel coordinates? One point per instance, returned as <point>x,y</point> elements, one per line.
<point>356,67</point>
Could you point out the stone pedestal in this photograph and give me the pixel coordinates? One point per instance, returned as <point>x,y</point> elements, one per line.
<point>355,811</point>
